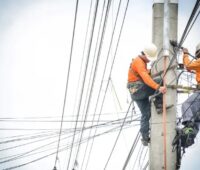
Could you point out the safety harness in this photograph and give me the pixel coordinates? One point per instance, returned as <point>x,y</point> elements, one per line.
<point>133,86</point>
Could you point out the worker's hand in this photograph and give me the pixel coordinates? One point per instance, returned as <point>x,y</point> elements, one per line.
<point>188,70</point>
<point>162,89</point>
<point>185,51</point>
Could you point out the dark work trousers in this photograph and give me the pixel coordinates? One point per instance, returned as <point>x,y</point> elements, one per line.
<point>191,108</point>
<point>141,97</point>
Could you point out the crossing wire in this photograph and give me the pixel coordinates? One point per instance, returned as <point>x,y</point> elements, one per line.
<point>95,71</point>
<point>112,123</point>
<point>140,157</point>
<point>83,84</point>
<point>110,72</point>
<point>146,165</point>
<point>104,70</point>
<point>14,157</point>
<point>68,73</point>
<point>189,22</point>
<point>106,62</point>
<point>18,156</point>
<point>86,35</point>
<point>43,134</point>
<point>43,157</point>
<point>48,119</point>
<point>132,150</point>
<point>191,26</point>
<point>95,51</point>
<point>116,140</point>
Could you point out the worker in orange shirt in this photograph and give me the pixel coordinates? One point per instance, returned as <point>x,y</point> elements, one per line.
<point>141,86</point>
<point>191,107</point>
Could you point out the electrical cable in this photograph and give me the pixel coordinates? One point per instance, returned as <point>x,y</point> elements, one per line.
<point>132,150</point>
<point>104,71</point>
<point>40,158</point>
<point>14,157</point>
<point>67,82</point>
<point>191,26</point>
<point>137,156</point>
<point>83,84</point>
<point>115,93</point>
<point>146,165</point>
<point>110,71</point>
<point>66,131</point>
<point>116,140</point>
<point>95,71</point>
<point>101,19</point>
<point>144,157</point>
<point>140,157</point>
<point>63,138</point>
<point>189,22</point>
<point>33,118</point>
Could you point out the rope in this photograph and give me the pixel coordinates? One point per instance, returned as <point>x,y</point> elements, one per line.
<point>164,120</point>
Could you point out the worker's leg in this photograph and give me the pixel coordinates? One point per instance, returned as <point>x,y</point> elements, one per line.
<point>190,110</point>
<point>191,107</point>
<point>144,106</point>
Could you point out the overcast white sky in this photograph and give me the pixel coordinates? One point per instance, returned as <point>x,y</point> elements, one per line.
<point>35,42</point>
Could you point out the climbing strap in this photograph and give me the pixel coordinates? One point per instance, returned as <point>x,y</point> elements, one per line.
<point>133,86</point>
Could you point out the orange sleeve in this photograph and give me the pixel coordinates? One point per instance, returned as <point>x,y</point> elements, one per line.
<point>141,69</point>
<point>190,65</point>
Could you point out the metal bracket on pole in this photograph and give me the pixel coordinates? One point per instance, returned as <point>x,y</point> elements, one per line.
<point>162,1</point>
<point>182,87</point>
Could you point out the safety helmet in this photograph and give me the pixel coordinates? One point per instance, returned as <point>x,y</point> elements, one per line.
<point>150,51</point>
<point>197,53</point>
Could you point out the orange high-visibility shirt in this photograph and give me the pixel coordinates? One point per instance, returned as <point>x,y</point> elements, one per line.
<point>192,65</point>
<point>138,70</point>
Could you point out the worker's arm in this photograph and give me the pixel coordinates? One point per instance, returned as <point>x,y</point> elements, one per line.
<point>190,65</point>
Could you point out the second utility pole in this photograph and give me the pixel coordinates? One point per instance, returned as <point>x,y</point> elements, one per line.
<point>165,13</point>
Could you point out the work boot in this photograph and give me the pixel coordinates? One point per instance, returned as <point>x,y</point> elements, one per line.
<point>159,108</point>
<point>188,133</point>
<point>187,138</point>
<point>145,141</point>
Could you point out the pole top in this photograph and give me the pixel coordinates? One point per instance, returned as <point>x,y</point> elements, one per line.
<point>162,1</point>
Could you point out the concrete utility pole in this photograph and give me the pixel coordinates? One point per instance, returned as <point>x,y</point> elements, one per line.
<point>165,13</point>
